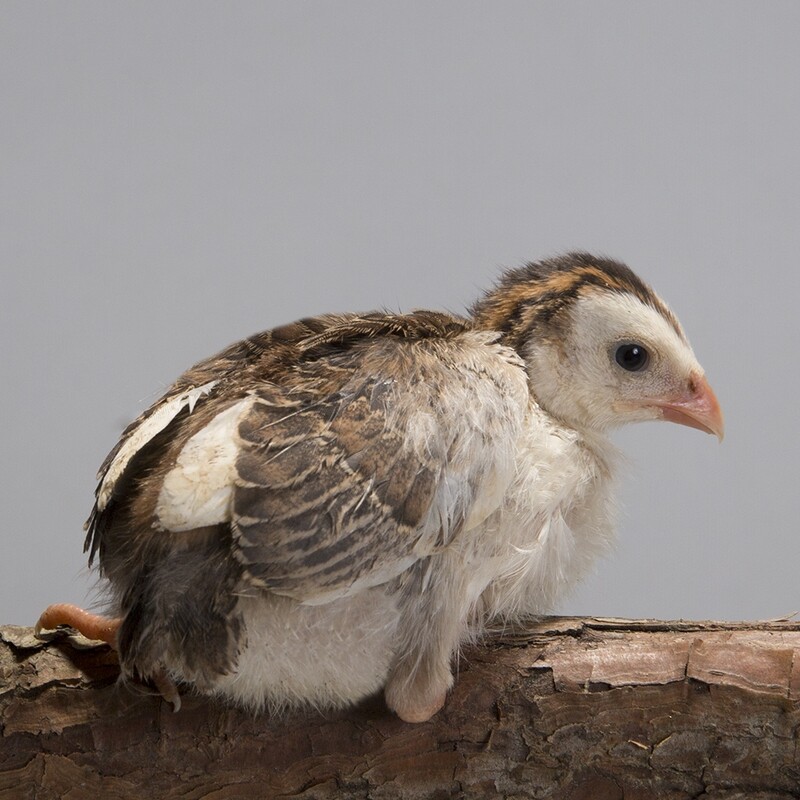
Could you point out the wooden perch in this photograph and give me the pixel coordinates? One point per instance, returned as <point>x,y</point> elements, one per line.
<point>567,708</point>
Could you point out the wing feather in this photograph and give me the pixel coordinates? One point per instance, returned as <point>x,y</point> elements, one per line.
<point>348,491</point>
<point>142,435</point>
<point>338,449</point>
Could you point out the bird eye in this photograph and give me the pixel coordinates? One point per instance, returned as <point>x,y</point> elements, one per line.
<point>632,357</point>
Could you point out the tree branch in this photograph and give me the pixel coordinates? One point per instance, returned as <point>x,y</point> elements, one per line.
<point>567,707</point>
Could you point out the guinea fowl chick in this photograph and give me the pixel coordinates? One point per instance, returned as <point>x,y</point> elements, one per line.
<point>331,507</point>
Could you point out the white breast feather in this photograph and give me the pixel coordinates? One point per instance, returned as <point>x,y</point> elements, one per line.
<point>558,518</point>
<point>323,656</point>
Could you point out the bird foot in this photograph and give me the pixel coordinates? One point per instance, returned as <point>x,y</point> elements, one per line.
<point>92,626</point>
<point>412,710</point>
<point>418,699</point>
<point>101,629</point>
<point>167,689</point>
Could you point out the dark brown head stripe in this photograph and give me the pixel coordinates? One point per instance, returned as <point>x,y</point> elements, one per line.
<point>532,296</point>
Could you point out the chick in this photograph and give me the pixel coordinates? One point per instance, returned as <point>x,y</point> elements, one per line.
<point>330,508</point>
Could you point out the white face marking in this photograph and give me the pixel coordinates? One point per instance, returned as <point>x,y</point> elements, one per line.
<point>584,386</point>
<point>150,428</point>
<point>607,317</point>
<point>624,319</point>
<point>197,491</point>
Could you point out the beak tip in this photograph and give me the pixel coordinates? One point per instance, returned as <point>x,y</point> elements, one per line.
<point>699,410</point>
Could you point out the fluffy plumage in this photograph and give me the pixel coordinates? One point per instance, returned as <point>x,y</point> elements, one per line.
<point>331,507</point>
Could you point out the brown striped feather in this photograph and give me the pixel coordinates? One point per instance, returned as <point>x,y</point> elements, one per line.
<point>532,300</point>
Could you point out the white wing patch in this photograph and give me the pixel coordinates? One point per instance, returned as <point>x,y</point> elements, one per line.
<point>150,428</point>
<point>197,491</point>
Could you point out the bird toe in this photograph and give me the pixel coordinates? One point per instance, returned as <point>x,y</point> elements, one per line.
<point>92,626</point>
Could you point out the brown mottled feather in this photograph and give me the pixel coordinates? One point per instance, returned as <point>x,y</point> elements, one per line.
<point>331,491</point>
<point>271,356</point>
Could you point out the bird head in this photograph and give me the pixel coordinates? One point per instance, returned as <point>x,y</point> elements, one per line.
<point>601,348</point>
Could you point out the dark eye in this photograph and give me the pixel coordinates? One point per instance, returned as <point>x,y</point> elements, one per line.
<point>632,357</point>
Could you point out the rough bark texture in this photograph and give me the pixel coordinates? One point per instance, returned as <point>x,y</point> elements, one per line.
<point>586,709</point>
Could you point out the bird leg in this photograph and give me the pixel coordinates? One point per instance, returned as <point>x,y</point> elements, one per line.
<point>92,626</point>
<point>101,629</point>
<point>418,684</point>
<point>416,695</point>
<point>416,708</point>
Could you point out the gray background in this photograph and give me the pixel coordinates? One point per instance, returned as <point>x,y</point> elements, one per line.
<point>176,176</point>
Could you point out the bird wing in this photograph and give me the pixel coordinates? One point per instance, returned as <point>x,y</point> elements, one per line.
<point>263,350</point>
<point>209,381</point>
<point>337,493</point>
<point>337,465</point>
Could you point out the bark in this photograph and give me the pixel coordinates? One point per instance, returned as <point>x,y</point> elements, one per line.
<point>566,708</point>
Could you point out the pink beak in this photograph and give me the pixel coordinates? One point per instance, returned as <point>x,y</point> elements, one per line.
<point>698,408</point>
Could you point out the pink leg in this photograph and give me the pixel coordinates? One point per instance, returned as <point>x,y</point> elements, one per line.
<point>414,710</point>
<point>92,626</point>
<point>102,629</point>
